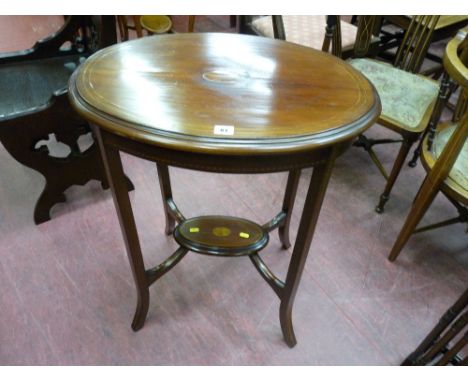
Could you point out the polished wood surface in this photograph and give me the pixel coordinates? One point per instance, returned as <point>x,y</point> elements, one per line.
<point>189,101</point>
<point>409,57</point>
<point>438,169</point>
<point>221,235</point>
<point>449,186</point>
<point>456,65</point>
<point>452,22</point>
<point>201,313</point>
<point>174,90</point>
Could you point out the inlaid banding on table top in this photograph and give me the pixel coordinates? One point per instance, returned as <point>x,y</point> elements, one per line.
<point>168,91</point>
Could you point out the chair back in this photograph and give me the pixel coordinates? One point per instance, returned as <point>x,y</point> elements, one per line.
<point>456,65</point>
<point>332,33</point>
<point>333,36</point>
<point>278,27</point>
<point>367,27</point>
<point>462,104</point>
<point>446,340</point>
<point>413,48</point>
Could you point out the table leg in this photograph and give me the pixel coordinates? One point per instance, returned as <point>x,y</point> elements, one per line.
<point>288,204</point>
<point>166,192</point>
<point>315,194</point>
<point>118,184</point>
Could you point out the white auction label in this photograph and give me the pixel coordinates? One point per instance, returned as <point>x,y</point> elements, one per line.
<point>223,129</point>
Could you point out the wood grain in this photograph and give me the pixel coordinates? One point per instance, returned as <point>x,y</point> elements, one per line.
<point>173,90</point>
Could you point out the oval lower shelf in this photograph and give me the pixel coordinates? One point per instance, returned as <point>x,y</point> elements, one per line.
<point>221,236</point>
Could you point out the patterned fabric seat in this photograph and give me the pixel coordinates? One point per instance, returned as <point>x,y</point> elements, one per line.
<point>306,30</point>
<point>405,97</point>
<point>459,172</point>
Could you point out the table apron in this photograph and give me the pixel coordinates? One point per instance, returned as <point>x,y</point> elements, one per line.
<point>233,164</point>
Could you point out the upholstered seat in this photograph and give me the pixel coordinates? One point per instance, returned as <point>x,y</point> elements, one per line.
<point>445,157</point>
<point>306,30</point>
<point>459,171</point>
<point>406,98</point>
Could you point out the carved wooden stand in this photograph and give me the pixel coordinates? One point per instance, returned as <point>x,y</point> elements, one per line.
<point>227,116</point>
<point>24,126</point>
<point>217,240</point>
<point>20,137</point>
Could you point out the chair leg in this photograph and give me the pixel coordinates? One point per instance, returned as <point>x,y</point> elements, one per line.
<point>123,27</point>
<point>423,200</point>
<point>138,28</point>
<point>400,160</point>
<point>368,144</point>
<point>232,21</point>
<point>120,26</point>
<point>191,24</point>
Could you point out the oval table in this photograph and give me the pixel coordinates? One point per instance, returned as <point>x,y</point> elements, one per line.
<point>223,103</point>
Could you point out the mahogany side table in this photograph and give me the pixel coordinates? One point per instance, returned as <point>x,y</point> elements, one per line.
<point>224,103</point>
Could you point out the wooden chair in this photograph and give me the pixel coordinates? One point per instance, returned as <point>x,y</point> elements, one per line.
<point>395,26</point>
<point>408,99</point>
<point>124,26</point>
<point>307,30</point>
<point>446,159</point>
<point>152,24</point>
<point>35,112</point>
<point>331,38</point>
<point>445,343</point>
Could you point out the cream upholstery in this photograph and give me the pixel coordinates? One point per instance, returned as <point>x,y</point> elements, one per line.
<point>306,30</point>
<point>459,172</point>
<point>405,96</point>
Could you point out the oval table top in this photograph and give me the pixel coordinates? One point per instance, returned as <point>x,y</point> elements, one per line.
<point>223,93</point>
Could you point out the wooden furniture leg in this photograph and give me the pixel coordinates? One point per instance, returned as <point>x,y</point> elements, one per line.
<point>166,193</point>
<point>117,181</point>
<point>425,196</point>
<point>421,355</point>
<point>315,194</point>
<point>123,30</point>
<point>431,185</point>
<point>137,24</point>
<point>288,204</point>
<point>399,161</point>
<point>232,21</point>
<point>191,24</point>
